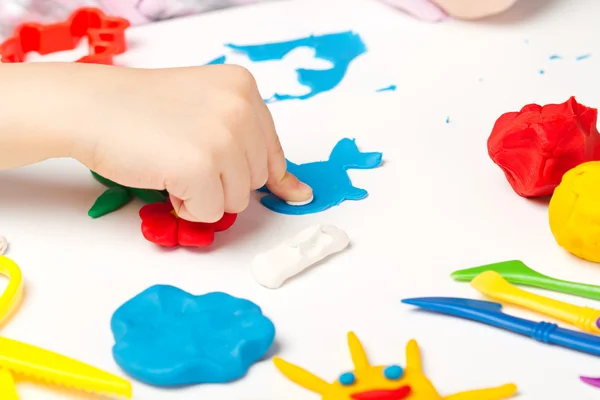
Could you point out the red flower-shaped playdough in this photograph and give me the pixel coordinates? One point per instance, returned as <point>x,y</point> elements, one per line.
<point>161,225</point>
<point>537,145</point>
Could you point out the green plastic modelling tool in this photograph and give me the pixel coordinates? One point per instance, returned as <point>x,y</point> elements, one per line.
<point>517,272</point>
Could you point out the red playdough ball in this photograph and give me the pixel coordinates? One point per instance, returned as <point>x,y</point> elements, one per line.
<point>537,145</point>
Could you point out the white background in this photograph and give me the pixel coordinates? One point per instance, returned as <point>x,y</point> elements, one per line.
<point>436,205</point>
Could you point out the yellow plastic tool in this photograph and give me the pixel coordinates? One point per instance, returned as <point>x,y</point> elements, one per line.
<point>11,298</point>
<point>493,285</point>
<point>39,364</point>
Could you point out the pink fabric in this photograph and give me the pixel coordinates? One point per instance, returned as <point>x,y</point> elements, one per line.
<point>423,9</point>
<point>129,9</point>
<point>144,11</point>
<point>15,12</point>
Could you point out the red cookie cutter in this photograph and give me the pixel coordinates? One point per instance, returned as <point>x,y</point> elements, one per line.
<point>106,37</point>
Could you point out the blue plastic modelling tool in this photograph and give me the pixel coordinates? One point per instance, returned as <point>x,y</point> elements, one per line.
<point>583,57</point>
<point>391,88</point>
<point>491,314</point>
<point>338,48</point>
<point>329,179</point>
<point>167,337</point>
<point>556,57</point>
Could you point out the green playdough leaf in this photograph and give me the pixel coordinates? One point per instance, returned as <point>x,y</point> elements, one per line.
<point>117,198</point>
<point>104,181</point>
<point>150,196</point>
<point>109,201</point>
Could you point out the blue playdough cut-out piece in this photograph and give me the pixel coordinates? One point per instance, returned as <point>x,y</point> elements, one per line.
<point>338,48</point>
<point>165,336</point>
<point>329,180</point>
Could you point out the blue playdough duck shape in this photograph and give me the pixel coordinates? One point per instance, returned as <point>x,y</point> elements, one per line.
<point>167,337</point>
<point>329,179</point>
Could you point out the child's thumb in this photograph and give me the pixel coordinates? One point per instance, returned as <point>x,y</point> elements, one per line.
<point>289,188</point>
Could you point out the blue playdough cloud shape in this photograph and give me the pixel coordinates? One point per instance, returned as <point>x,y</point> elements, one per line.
<point>167,337</point>
<point>338,48</point>
<point>329,179</point>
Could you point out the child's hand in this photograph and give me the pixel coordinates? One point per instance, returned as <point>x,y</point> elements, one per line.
<point>202,133</point>
<point>474,9</point>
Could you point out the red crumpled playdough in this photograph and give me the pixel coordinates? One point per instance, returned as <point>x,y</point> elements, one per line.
<point>537,145</point>
<point>160,225</point>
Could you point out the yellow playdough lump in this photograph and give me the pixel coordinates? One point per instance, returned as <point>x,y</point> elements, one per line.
<point>574,211</point>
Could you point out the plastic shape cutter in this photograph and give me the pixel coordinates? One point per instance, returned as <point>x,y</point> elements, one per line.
<point>106,37</point>
<point>17,358</point>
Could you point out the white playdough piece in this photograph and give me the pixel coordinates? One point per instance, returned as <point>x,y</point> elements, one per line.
<point>301,203</point>
<point>273,268</point>
<point>3,245</point>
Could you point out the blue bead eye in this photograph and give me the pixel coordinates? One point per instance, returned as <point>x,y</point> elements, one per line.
<point>347,379</point>
<point>393,372</point>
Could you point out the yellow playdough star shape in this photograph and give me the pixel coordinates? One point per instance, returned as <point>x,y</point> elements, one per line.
<point>369,382</point>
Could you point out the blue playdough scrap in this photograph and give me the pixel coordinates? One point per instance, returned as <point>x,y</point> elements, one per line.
<point>329,179</point>
<point>165,336</point>
<point>390,88</point>
<point>338,48</point>
<point>218,60</point>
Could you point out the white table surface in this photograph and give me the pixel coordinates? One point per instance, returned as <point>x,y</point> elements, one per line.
<point>437,204</point>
